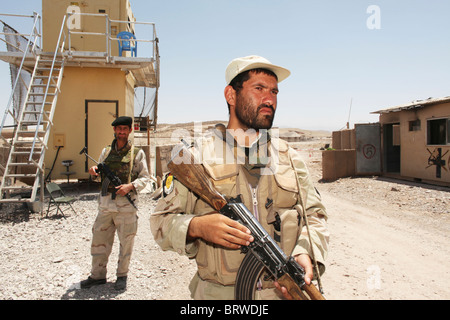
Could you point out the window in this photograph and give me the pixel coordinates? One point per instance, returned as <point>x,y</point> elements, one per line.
<point>414,125</point>
<point>438,132</point>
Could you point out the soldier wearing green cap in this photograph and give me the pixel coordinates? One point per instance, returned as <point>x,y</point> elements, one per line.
<point>122,121</point>
<point>115,211</point>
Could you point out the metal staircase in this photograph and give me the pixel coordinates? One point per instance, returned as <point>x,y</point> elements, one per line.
<point>23,175</point>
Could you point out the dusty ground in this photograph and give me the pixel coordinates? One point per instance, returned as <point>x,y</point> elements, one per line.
<point>389,240</point>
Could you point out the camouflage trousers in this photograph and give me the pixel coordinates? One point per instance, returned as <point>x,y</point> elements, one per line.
<point>113,216</point>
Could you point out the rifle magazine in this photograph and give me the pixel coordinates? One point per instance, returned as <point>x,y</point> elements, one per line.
<point>247,277</point>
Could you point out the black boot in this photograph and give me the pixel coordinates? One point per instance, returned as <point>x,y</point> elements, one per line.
<point>121,283</point>
<point>89,282</point>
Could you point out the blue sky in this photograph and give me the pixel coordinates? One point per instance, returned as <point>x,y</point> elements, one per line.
<point>334,57</point>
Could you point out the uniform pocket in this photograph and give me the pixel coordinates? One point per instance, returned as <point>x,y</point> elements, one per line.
<point>106,204</point>
<point>286,192</point>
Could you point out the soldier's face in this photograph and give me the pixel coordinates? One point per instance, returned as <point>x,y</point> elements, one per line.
<point>122,132</point>
<point>256,102</point>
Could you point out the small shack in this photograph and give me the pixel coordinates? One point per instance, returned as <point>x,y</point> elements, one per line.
<point>416,140</point>
<point>410,141</point>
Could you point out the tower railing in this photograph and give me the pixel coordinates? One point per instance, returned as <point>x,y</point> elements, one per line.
<point>110,32</point>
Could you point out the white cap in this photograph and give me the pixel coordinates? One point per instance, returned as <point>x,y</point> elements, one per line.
<point>240,65</point>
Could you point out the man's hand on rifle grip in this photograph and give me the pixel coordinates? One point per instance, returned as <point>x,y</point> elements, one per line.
<point>93,171</point>
<point>305,261</point>
<point>123,189</point>
<point>219,229</point>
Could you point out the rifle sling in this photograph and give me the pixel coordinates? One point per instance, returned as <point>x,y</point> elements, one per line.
<point>302,202</point>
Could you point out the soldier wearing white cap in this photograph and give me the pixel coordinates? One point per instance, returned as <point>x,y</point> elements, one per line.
<point>277,195</point>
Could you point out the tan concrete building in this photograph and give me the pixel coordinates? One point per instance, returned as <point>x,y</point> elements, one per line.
<point>416,140</point>
<point>85,76</point>
<point>410,141</point>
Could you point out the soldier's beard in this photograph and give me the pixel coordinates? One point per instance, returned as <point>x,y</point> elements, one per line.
<point>250,116</point>
<point>121,139</point>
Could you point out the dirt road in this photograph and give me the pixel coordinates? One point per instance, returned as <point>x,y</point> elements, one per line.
<point>389,238</point>
<point>377,252</point>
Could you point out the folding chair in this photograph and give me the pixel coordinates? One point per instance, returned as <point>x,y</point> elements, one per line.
<point>127,43</point>
<point>58,198</point>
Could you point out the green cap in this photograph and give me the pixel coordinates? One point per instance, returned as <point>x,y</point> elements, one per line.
<point>122,121</point>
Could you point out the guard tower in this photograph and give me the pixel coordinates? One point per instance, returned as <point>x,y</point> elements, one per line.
<point>70,81</point>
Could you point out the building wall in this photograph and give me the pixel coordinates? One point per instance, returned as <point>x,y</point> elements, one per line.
<point>338,164</point>
<point>341,162</point>
<point>53,12</point>
<point>418,159</point>
<point>344,139</point>
<point>101,86</point>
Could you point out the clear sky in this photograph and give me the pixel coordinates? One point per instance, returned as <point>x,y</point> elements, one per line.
<point>340,53</point>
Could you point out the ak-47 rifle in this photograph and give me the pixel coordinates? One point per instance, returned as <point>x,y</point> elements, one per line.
<point>262,253</point>
<point>103,168</point>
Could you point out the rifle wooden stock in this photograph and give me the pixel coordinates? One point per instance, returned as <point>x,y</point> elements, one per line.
<point>193,177</point>
<point>313,293</point>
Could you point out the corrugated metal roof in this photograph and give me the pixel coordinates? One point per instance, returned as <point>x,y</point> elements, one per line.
<point>416,104</point>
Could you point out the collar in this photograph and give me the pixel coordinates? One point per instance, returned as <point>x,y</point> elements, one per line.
<point>256,154</point>
<point>126,147</point>
<point>262,139</point>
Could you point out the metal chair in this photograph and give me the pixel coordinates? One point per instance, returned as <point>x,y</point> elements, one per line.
<point>127,43</point>
<point>58,198</point>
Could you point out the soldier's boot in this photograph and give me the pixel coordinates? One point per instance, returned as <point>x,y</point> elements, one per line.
<point>89,282</point>
<point>121,283</point>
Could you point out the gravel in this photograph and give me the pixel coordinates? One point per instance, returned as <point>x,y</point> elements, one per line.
<point>47,257</point>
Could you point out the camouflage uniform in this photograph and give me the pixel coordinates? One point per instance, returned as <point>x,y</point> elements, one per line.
<point>115,212</point>
<point>272,196</point>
